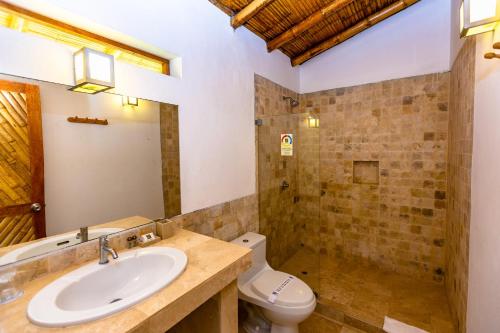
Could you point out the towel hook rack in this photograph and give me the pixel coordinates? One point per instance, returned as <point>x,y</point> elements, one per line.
<point>88,120</point>
<point>493,55</point>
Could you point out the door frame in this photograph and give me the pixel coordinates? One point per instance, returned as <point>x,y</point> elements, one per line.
<point>35,135</point>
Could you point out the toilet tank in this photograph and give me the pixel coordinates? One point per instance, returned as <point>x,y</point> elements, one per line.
<point>257,243</point>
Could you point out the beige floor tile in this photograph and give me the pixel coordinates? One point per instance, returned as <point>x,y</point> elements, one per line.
<point>319,324</point>
<point>441,326</point>
<point>365,292</point>
<point>347,329</point>
<point>305,265</point>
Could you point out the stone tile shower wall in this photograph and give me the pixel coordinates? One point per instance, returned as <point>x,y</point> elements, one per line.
<point>277,215</point>
<point>459,181</point>
<point>308,174</point>
<point>383,160</point>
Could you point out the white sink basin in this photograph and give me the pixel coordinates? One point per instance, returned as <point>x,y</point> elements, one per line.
<point>95,291</point>
<point>52,243</point>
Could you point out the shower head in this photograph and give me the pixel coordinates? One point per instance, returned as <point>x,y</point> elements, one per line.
<point>293,102</point>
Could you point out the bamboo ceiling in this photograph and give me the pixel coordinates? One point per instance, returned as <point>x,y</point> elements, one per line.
<point>303,29</point>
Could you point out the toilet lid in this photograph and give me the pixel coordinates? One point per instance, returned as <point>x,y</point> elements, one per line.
<point>296,293</point>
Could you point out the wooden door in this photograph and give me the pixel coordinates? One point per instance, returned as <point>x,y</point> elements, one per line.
<point>22,213</point>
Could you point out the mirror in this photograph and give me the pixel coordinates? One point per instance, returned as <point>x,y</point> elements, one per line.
<point>76,166</point>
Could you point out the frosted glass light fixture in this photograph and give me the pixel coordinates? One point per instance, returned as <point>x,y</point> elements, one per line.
<point>478,16</point>
<point>130,101</point>
<point>313,122</point>
<point>94,71</point>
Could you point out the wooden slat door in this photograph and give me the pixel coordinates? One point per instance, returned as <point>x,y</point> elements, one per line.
<point>22,213</point>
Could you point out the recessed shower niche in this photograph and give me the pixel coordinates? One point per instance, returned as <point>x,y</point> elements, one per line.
<point>366,172</point>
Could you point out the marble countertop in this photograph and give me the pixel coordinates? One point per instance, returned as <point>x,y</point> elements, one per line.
<point>212,265</point>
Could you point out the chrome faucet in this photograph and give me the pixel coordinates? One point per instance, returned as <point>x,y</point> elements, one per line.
<point>104,250</point>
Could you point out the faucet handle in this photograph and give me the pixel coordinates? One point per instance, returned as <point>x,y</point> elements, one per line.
<point>83,235</point>
<point>103,240</point>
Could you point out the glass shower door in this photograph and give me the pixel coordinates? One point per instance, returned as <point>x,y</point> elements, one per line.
<point>288,186</point>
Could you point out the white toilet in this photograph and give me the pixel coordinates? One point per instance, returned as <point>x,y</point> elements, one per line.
<point>294,303</point>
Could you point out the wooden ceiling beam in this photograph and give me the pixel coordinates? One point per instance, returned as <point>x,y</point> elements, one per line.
<point>225,9</point>
<point>248,12</point>
<point>309,22</point>
<point>353,31</point>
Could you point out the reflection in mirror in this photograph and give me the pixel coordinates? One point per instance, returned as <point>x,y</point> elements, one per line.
<point>169,130</point>
<point>62,182</point>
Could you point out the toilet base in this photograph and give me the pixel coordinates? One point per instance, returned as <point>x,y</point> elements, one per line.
<point>284,329</point>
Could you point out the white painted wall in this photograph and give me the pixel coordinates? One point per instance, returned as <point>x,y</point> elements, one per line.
<point>215,94</point>
<point>456,42</point>
<point>484,258</point>
<point>413,42</point>
<point>96,174</point>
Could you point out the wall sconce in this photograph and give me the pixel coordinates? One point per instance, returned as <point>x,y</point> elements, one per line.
<point>478,16</point>
<point>94,71</point>
<point>130,101</point>
<point>313,122</point>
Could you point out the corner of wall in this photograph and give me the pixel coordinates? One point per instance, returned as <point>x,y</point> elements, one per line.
<point>456,43</point>
<point>459,181</point>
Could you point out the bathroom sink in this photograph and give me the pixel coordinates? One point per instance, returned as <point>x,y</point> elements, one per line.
<point>52,243</point>
<point>95,291</point>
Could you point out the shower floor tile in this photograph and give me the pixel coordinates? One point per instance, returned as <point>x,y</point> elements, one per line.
<point>319,324</point>
<point>361,294</point>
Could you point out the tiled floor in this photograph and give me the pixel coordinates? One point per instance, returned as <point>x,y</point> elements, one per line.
<point>317,323</point>
<point>361,294</point>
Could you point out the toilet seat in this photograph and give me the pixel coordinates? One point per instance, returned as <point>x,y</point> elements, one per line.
<point>295,294</point>
<point>247,292</point>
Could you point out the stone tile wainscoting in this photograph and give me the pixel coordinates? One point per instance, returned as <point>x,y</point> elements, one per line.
<point>459,180</point>
<point>225,221</point>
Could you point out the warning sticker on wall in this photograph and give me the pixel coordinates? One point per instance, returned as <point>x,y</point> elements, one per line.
<point>286,144</point>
